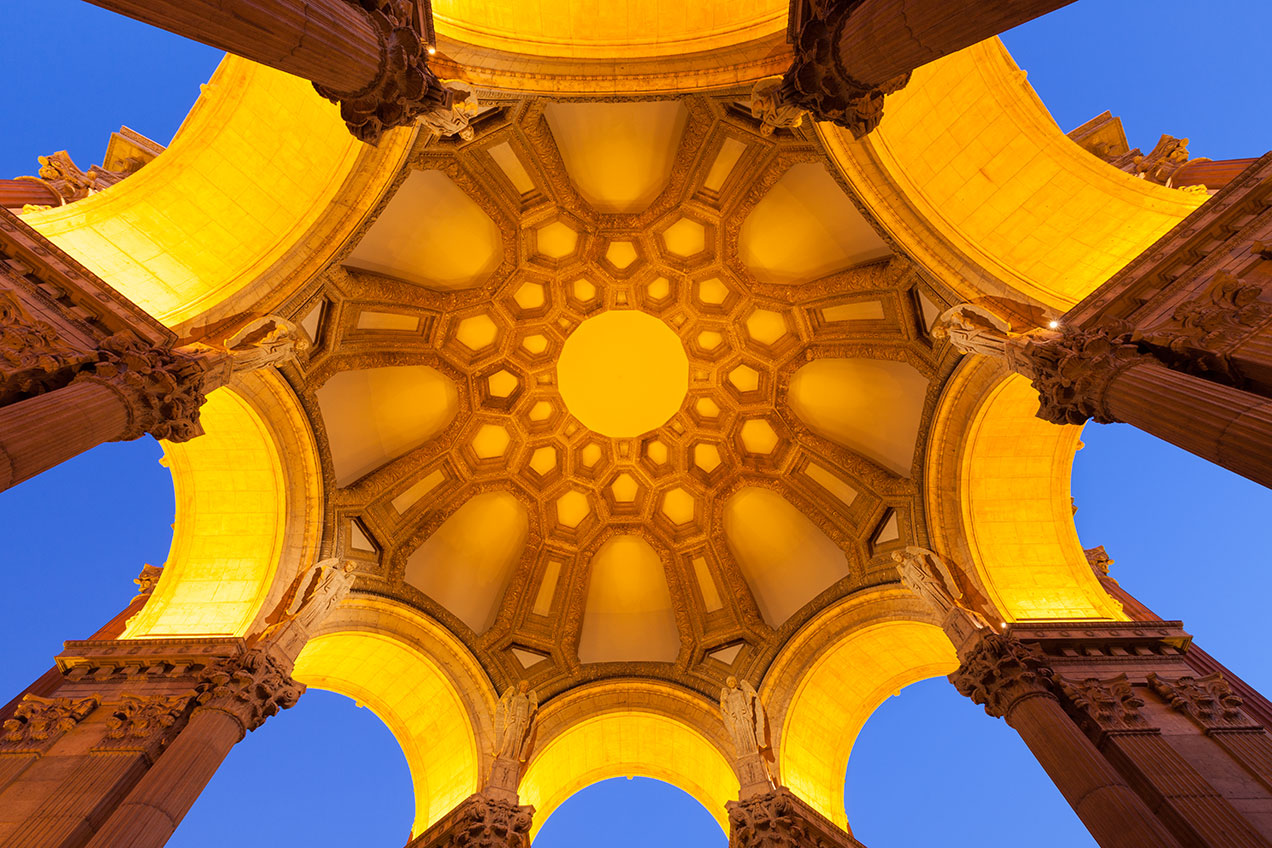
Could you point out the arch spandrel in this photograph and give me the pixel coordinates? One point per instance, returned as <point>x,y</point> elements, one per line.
<point>629,729</point>
<point>833,674</point>
<point>972,177</point>
<point>998,498</point>
<point>258,190</point>
<point>248,506</point>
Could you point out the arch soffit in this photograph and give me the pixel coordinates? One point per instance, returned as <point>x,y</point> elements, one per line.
<point>245,521</point>
<point>831,677</point>
<point>626,728</point>
<point>972,177</point>
<point>998,499</point>
<point>260,188</point>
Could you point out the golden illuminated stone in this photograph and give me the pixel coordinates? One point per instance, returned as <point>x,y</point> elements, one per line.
<point>476,333</point>
<point>490,441</point>
<point>623,373</point>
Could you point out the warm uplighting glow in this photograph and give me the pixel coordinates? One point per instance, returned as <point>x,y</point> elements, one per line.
<point>623,373</point>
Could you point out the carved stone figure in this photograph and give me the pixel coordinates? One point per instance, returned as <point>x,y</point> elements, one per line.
<point>148,579</point>
<point>972,329</point>
<point>266,341</point>
<point>770,106</point>
<point>310,599</point>
<point>514,722</point>
<point>455,120</point>
<point>745,717</point>
<point>925,574</point>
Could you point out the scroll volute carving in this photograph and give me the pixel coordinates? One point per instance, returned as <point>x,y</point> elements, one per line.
<point>1103,705</point>
<point>33,357</point>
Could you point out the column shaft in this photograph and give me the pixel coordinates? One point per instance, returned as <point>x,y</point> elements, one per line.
<point>331,42</point>
<point>1110,809</point>
<point>1227,426</point>
<point>14,194</point>
<point>883,39</point>
<point>40,432</point>
<point>156,805</point>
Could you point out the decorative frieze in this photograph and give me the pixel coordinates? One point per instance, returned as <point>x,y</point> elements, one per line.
<point>1107,705</point>
<point>37,722</point>
<point>143,722</point>
<point>1207,700</point>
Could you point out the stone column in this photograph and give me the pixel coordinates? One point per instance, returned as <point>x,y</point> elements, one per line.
<point>1012,682</point>
<point>850,54</point>
<point>365,54</point>
<point>130,390</point>
<point>1101,376</point>
<point>233,698</point>
<point>14,194</point>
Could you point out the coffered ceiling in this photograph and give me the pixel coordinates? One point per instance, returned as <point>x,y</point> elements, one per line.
<point>621,388</point>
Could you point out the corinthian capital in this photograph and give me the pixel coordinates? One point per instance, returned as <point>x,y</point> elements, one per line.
<point>38,722</point>
<point>249,688</point>
<point>818,83</point>
<point>1000,671</point>
<point>1072,371</point>
<point>405,88</point>
<point>163,388</point>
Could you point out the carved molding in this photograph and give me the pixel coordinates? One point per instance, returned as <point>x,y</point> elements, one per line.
<point>778,819</point>
<point>1072,371</point>
<point>1107,705</point>
<point>1000,671</point>
<point>250,688</point>
<point>1207,700</point>
<point>818,82</point>
<point>143,722</point>
<point>33,356</point>
<point>405,88</point>
<point>163,388</point>
<point>480,821</point>
<point>38,722</point>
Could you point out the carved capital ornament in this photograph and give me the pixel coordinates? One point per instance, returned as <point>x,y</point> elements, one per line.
<point>405,88</point>
<point>1000,671</point>
<point>817,81</point>
<point>250,688</point>
<point>37,722</point>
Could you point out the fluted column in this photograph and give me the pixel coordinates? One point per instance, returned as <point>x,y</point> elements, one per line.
<point>1012,681</point>
<point>365,54</point>
<point>1100,376</point>
<point>14,194</point>
<point>131,389</point>
<point>234,698</point>
<point>852,54</point>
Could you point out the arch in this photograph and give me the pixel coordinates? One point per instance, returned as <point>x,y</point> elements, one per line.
<point>422,683</point>
<point>629,728</point>
<point>998,500</point>
<point>972,177</point>
<point>258,190</point>
<point>246,520</point>
<point>833,674</point>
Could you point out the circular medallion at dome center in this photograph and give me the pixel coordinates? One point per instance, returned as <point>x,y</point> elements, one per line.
<point>623,373</point>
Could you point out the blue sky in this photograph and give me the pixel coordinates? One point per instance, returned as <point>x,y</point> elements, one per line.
<point>1191,540</point>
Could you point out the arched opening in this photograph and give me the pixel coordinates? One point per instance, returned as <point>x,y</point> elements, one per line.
<point>631,812</point>
<point>327,772</point>
<point>74,552</point>
<point>629,729</point>
<point>968,777</point>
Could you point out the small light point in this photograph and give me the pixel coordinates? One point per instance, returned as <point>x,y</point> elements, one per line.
<point>1055,325</point>
<point>431,50</point>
